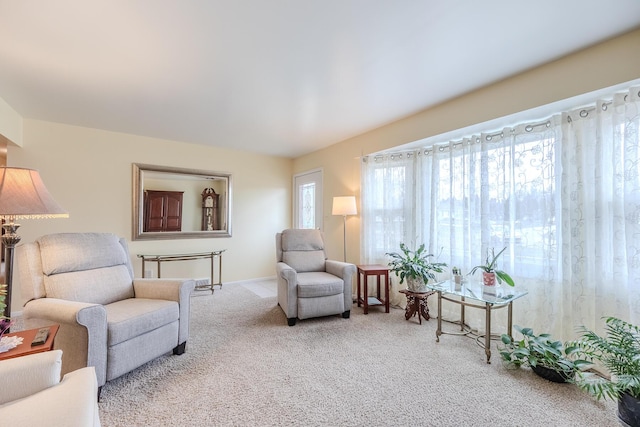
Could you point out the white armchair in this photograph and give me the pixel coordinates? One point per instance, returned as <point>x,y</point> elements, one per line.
<point>33,395</point>
<point>310,285</point>
<point>108,319</point>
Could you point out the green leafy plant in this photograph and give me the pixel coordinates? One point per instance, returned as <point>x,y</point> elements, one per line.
<point>540,351</point>
<point>618,352</point>
<point>490,267</point>
<point>3,295</point>
<point>5,322</point>
<point>414,264</point>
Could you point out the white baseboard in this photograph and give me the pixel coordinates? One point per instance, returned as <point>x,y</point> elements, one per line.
<point>249,281</point>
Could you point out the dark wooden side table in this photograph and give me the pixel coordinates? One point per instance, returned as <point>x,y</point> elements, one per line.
<point>380,271</point>
<point>28,336</point>
<point>417,304</point>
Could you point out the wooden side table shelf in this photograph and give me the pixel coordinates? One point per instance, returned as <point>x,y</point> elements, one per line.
<point>417,304</point>
<point>364,299</point>
<point>28,336</point>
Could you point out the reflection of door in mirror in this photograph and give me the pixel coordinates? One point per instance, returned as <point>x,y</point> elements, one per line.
<point>162,210</point>
<point>210,210</point>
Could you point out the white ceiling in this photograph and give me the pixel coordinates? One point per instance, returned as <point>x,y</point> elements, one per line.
<point>282,77</point>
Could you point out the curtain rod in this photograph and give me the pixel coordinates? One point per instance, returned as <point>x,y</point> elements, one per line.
<point>488,137</point>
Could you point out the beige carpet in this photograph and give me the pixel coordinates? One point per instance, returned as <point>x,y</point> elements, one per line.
<point>245,367</point>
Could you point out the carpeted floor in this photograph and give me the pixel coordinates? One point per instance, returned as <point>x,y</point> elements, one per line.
<point>245,367</point>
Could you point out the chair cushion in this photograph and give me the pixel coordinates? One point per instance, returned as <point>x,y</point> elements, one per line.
<point>85,267</point>
<point>302,240</point>
<point>319,284</point>
<point>65,252</point>
<point>303,250</point>
<point>304,261</point>
<point>132,317</point>
<point>99,286</point>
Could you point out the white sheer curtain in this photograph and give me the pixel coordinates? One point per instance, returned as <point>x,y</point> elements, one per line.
<point>600,238</point>
<point>562,194</point>
<point>388,209</point>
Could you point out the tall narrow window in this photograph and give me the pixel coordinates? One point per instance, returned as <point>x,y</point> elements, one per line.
<point>307,205</point>
<point>308,199</point>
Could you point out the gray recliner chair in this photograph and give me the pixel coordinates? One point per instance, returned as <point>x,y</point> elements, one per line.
<point>310,285</point>
<point>84,282</point>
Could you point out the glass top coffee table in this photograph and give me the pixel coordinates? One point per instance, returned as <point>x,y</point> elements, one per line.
<point>476,295</point>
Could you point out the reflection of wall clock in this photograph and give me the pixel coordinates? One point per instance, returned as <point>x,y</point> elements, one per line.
<point>209,210</point>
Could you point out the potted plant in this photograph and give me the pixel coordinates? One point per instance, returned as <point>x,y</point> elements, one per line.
<point>545,356</point>
<point>414,266</point>
<point>489,271</point>
<point>5,322</point>
<point>619,353</point>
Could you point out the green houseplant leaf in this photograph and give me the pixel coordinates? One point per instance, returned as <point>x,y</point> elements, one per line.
<point>618,352</point>
<point>490,267</point>
<point>414,264</point>
<point>539,351</point>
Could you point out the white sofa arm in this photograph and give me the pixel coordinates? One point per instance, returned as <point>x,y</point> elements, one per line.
<point>72,402</point>
<point>27,375</point>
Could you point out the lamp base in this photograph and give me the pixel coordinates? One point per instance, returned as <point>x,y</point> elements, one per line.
<point>10,239</point>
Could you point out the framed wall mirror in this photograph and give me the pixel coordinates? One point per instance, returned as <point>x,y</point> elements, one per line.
<point>177,203</point>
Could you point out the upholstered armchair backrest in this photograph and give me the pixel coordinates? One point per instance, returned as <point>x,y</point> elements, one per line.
<point>86,267</point>
<point>302,250</point>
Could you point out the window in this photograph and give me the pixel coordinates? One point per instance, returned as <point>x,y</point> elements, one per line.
<point>308,199</point>
<point>563,195</point>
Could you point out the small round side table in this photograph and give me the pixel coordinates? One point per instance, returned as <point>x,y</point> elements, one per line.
<point>417,304</point>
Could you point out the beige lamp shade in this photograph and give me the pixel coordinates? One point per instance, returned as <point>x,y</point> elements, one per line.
<point>344,205</point>
<point>23,196</point>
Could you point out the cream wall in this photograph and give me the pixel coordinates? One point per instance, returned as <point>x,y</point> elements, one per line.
<point>89,172</point>
<point>10,124</point>
<point>603,65</point>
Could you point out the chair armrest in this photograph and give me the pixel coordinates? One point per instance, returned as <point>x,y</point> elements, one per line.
<point>72,402</point>
<point>341,269</point>
<point>346,271</point>
<point>27,375</point>
<point>284,271</point>
<point>82,333</point>
<point>287,295</point>
<point>168,289</point>
<point>178,290</point>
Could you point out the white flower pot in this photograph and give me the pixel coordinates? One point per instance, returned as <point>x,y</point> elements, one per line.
<point>416,285</point>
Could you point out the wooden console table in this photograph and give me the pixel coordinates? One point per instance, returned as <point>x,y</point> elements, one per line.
<point>159,259</point>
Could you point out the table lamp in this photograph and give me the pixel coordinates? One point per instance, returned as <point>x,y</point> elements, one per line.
<point>22,196</point>
<point>344,205</point>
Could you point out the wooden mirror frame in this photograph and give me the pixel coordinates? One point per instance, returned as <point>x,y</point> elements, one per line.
<point>139,171</point>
